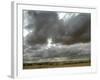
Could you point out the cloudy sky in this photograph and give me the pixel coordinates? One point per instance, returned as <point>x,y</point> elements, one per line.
<point>62,27</point>
<point>70,29</point>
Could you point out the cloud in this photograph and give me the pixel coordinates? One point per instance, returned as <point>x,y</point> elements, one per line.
<point>66,28</point>
<point>67,52</point>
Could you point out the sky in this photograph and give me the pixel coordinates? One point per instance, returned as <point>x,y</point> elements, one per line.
<point>62,27</point>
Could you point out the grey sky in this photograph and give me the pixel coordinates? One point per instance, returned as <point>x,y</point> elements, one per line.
<point>62,27</point>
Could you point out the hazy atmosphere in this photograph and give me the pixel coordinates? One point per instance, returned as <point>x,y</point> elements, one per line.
<point>50,36</point>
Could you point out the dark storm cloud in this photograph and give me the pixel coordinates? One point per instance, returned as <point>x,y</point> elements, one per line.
<point>78,25</point>
<point>47,24</point>
<point>78,28</point>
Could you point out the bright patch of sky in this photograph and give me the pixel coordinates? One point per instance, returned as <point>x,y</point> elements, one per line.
<point>25,32</point>
<point>66,16</point>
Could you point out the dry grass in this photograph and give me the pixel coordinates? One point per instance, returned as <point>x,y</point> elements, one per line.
<point>56,64</point>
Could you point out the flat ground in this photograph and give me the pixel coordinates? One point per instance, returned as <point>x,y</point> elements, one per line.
<point>72,63</point>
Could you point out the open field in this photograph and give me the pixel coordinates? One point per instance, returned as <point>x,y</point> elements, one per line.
<point>57,64</point>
